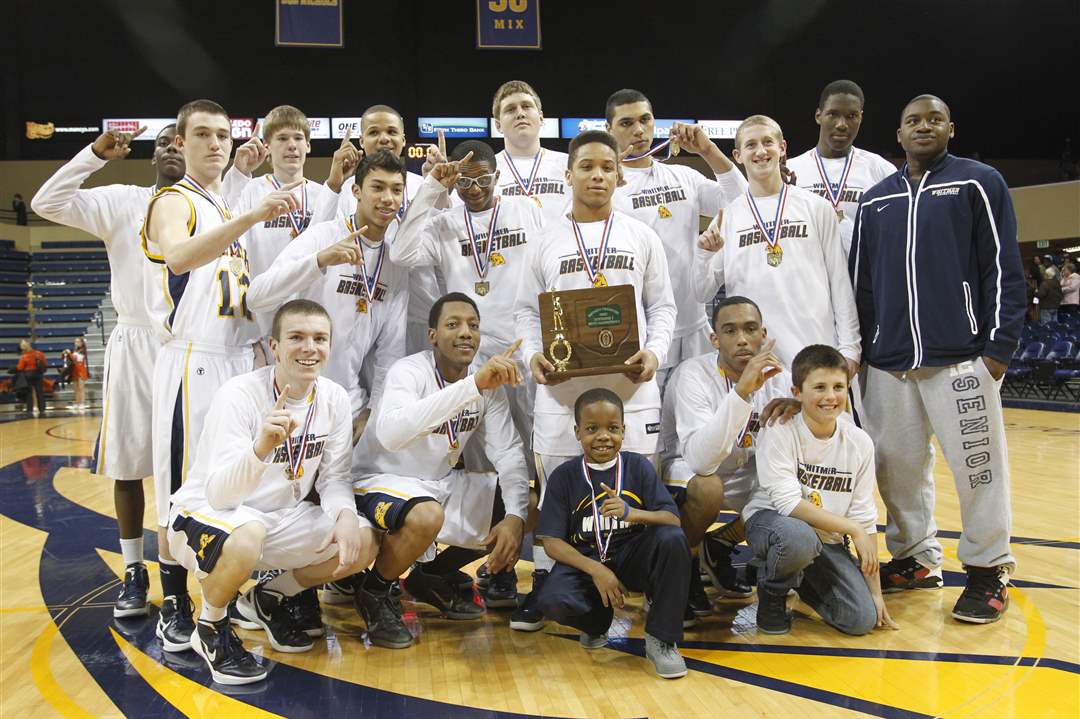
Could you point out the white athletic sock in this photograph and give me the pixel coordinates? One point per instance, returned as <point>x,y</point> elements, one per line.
<point>285,584</point>
<point>210,613</point>
<point>132,549</point>
<point>541,560</point>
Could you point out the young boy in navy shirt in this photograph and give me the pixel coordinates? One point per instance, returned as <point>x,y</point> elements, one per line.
<point>610,525</point>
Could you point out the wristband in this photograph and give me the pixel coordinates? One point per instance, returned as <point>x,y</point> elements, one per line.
<point>626,513</point>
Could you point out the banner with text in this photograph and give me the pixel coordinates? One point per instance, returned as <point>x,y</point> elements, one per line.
<point>508,24</point>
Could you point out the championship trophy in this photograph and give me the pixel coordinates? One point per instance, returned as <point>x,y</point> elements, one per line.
<point>590,331</point>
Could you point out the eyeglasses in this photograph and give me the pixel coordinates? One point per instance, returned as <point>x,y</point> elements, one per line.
<point>483,182</point>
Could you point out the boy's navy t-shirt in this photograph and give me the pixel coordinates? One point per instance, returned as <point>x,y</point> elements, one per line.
<point>567,510</point>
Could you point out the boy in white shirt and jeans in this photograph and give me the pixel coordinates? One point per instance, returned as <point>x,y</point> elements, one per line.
<point>815,488</point>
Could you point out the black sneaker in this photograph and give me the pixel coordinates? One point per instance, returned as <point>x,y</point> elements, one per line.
<point>716,561</point>
<point>447,594</point>
<point>306,612</point>
<point>176,623</point>
<point>483,576</point>
<point>772,614</point>
<point>501,591</point>
<point>237,617</point>
<point>340,592</point>
<point>527,617</point>
<point>985,597</point>
<point>225,655</point>
<point>132,599</point>
<point>270,611</point>
<point>900,574</point>
<point>697,601</point>
<point>689,618</point>
<point>382,615</point>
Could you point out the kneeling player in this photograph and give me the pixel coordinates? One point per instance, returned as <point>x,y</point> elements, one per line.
<point>713,408</point>
<point>243,506</point>
<point>643,548</point>
<point>410,480</point>
<point>814,491</point>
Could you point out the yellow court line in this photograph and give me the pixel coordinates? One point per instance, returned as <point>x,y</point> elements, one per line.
<point>190,698</point>
<point>46,683</point>
<point>1034,646</point>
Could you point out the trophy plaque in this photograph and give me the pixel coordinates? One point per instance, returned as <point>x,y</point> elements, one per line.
<point>590,331</point>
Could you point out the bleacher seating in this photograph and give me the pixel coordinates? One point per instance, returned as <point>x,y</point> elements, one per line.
<point>50,296</point>
<point>1046,365</point>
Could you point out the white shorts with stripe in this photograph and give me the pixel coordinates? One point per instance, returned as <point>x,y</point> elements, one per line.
<point>186,377</point>
<point>124,447</point>
<point>293,535</point>
<point>467,499</point>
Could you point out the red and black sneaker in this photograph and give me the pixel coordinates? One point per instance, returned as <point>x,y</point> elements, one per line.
<point>900,574</point>
<point>985,597</point>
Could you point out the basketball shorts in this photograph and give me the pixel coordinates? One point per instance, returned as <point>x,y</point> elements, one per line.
<point>186,377</point>
<point>467,499</point>
<point>124,447</point>
<point>293,535</point>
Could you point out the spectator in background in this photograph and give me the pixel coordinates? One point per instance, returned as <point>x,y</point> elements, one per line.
<point>1049,264</point>
<point>29,376</point>
<point>1035,269</point>
<point>79,374</point>
<point>1070,289</point>
<point>19,207</point>
<point>1049,296</point>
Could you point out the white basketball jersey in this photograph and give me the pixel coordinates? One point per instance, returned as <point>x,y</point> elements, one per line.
<point>206,304</point>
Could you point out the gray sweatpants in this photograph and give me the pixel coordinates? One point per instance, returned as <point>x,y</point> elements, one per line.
<point>960,405</point>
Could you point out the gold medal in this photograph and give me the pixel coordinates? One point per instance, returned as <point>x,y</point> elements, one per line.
<point>663,212</point>
<point>497,258</point>
<point>236,266</point>
<point>361,306</point>
<point>775,256</point>
<point>839,214</point>
<point>482,288</point>
<point>600,280</point>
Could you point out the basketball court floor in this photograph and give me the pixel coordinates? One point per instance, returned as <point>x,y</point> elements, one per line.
<point>63,654</point>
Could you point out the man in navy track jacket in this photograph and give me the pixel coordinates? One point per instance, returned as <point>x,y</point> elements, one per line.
<point>940,293</point>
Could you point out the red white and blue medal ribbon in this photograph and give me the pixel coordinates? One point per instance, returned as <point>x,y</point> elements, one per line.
<point>369,284</point>
<point>295,468</point>
<point>190,183</point>
<point>404,201</point>
<point>773,237</point>
<point>833,192</point>
<point>482,265</point>
<point>298,218</point>
<point>595,274</point>
<point>602,544</point>
<point>526,186</point>
<point>666,144</point>
<point>451,424</point>
<point>731,388</point>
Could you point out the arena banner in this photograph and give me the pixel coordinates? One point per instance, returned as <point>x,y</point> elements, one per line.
<point>508,24</point>
<point>308,23</point>
<point>453,127</point>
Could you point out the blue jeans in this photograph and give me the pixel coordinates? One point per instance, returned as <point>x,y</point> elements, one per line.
<point>789,555</point>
